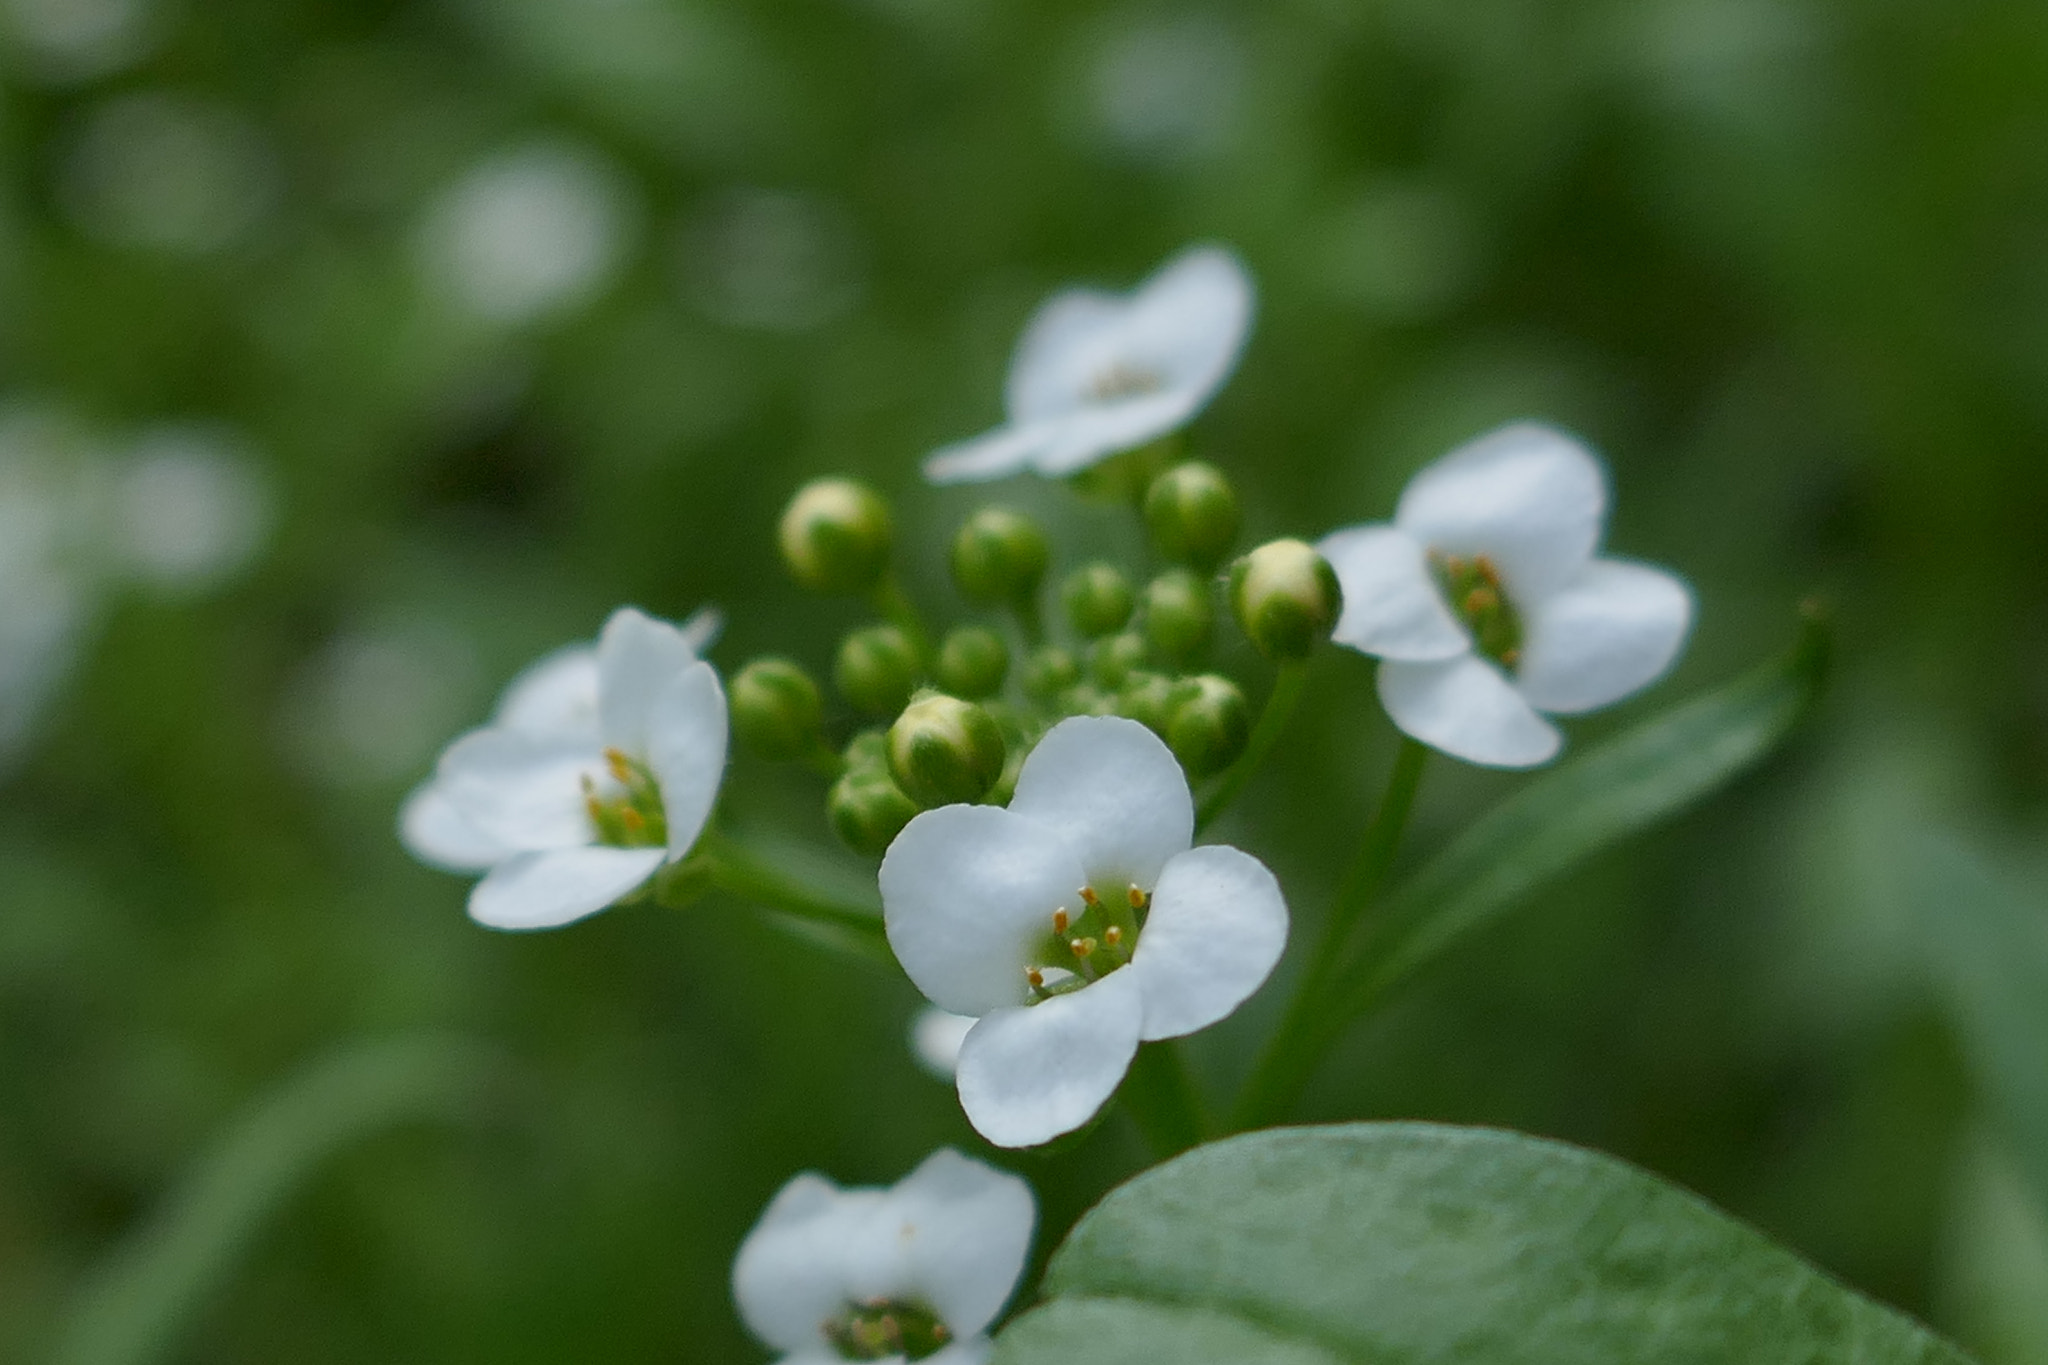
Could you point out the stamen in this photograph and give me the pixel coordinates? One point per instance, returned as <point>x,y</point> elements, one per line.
<point>1138,897</point>
<point>1113,935</point>
<point>1081,947</point>
<point>1483,564</point>
<point>633,820</point>
<point>621,767</point>
<point>1479,601</point>
<point>1035,977</point>
<point>1088,894</point>
<point>1060,920</point>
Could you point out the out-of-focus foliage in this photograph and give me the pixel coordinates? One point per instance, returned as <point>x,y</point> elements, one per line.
<point>475,318</point>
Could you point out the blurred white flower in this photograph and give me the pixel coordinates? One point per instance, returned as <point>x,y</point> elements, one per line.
<point>1097,373</point>
<point>1167,88</point>
<point>772,260</point>
<point>600,767</point>
<point>918,1271</point>
<point>75,40</point>
<point>1486,604</point>
<point>935,1038</point>
<point>373,703</point>
<point>1075,924</point>
<point>168,172</point>
<point>48,487</point>
<point>527,233</point>
<point>187,508</point>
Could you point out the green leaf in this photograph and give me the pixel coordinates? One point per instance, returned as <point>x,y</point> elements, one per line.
<point>131,1308</point>
<point>1588,804</point>
<point>1403,1243</point>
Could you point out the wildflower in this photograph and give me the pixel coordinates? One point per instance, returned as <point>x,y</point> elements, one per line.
<point>1488,608</point>
<point>1095,373</point>
<point>1075,924</point>
<point>601,765</point>
<point>914,1272</point>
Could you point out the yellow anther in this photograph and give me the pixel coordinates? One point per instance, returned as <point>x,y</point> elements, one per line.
<point>1060,920</point>
<point>1511,657</point>
<point>1484,564</point>
<point>632,819</point>
<point>621,767</point>
<point>1138,897</point>
<point>1113,935</point>
<point>1481,600</point>
<point>1088,894</point>
<point>1081,947</point>
<point>1035,977</point>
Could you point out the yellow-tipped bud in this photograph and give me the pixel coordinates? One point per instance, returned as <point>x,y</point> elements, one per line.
<point>776,709</point>
<point>1192,513</point>
<point>944,750</point>
<point>835,536</point>
<point>1210,728</point>
<point>876,669</point>
<point>999,557</point>
<point>1286,598</point>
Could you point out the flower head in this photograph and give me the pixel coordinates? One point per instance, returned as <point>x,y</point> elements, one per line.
<point>1075,924</point>
<point>600,766</point>
<point>914,1272</point>
<point>1096,373</point>
<point>1487,605</point>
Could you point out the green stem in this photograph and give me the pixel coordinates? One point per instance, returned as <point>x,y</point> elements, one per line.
<point>1161,1097</point>
<point>731,867</point>
<point>899,611</point>
<point>1291,1057</point>
<point>1030,623</point>
<point>1280,704</point>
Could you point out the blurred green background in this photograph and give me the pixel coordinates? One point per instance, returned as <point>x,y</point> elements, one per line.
<point>353,354</point>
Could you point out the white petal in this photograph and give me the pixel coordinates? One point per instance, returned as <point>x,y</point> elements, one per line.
<point>555,696</point>
<point>972,1351</point>
<point>1217,927</point>
<point>435,831</point>
<point>1467,709</point>
<point>1527,495</point>
<point>523,790</point>
<point>1057,354</point>
<point>686,745</point>
<point>966,1230</point>
<point>1091,434</point>
<point>967,894</point>
<point>992,455</point>
<point>637,656</point>
<point>557,887</point>
<point>1033,1072</point>
<point>1392,605</point>
<point>935,1038</point>
<point>1610,631</point>
<point>1114,792</point>
<point>1189,321</point>
<point>702,628</point>
<point>789,1277</point>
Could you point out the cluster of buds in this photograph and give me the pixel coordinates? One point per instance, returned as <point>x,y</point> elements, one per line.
<point>938,720</point>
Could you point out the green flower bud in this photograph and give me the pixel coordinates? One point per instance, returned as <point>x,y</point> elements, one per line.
<point>943,750</point>
<point>999,557</point>
<point>835,536</point>
<point>876,670</point>
<point>1286,598</point>
<point>1149,699</point>
<point>1178,613</point>
<point>1208,729</point>
<point>869,749</point>
<point>1098,600</point>
<point>1111,660</point>
<point>973,661</point>
<point>1193,515</point>
<point>1050,671</point>
<point>776,709</point>
<point>867,809</point>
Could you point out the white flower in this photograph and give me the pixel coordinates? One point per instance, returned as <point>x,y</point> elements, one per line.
<point>1075,924</point>
<point>935,1039</point>
<point>1098,373</point>
<point>601,765</point>
<point>867,1274</point>
<point>1487,606</point>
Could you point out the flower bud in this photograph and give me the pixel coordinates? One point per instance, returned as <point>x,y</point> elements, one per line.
<point>1286,598</point>
<point>876,669</point>
<point>1178,613</point>
<point>1148,698</point>
<point>1208,729</point>
<point>1098,600</point>
<point>1111,660</point>
<point>1049,672</point>
<point>943,750</point>
<point>999,557</point>
<point>973,661</point>
<point>1192,512</point>
<point>835,536</point>
<point>776,709</point>
<point>867,810</point>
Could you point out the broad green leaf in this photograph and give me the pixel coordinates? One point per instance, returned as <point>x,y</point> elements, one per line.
<point>132,1308</point>
<point>1402,1243</point>
<point>1588,804</point>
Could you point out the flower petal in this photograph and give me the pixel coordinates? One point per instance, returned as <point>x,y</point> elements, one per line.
<point>1465,707</point>
<point>1527,495</point>
<point>966,1230</point>
<point>686,747</point>
<point>702,628</point>
<point>559,886</point>
<point>1032,1072</point>
<point>789,1277</point>
<point>523,790</point>
<point>992,455</point>
<point>1610,631</point>
<point>637,656</point>
<point>557,695</point>
<point>434,830</point>
<point>1392,605</point>
<point>935,1038</point>
<point>1089,434</point>
<point>1059,352</point>
<point>967,893</point>
<point>1218,925</point>
<point>1116,795</point>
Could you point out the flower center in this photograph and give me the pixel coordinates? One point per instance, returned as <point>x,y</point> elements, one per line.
<point>1121,381</point>
<point>1471,584</point>
<point>1086,946</point>
<point>631,815</point>
<point>880,1328</point>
